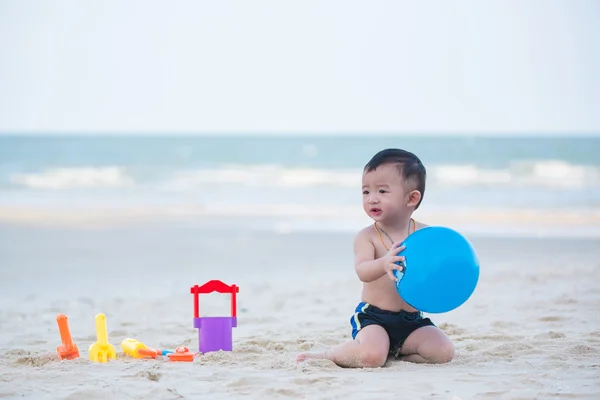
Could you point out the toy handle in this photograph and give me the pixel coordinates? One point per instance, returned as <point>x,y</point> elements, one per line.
<point>101,330</point>
<point>63,328</point>
<point>148,352</point>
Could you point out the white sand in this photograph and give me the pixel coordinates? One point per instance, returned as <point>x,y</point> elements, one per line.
<point>531,331</point>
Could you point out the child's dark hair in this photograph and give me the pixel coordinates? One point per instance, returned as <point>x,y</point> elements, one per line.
<point>409,167</point>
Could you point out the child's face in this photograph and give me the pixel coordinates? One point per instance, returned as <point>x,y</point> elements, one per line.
<point>385,195</point>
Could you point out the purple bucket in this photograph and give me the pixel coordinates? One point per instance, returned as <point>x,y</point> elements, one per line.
<point>215,333</point>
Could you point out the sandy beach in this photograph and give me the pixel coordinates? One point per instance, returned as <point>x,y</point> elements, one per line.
<point>530,331</point>
<point>146,148</point>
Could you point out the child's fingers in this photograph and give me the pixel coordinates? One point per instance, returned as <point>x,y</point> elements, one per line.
<point>395,250</point>
<point>398,259</point>
<point>392,276</point>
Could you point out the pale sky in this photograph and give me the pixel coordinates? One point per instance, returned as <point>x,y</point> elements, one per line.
<point>304,66</point>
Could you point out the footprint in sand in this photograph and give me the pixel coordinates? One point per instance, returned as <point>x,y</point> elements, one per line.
<point>508,350</point>
<point>277,346</point>
<point>249,349</point>
<point>150,375</point>
<point>242,382</point>
<point>14,353</point>
<point>550,335</point>
<point>35,361</point>
<point>311,365</point>
<point>565,300</point>
<point>582,349</point>
<point>451,329</point>
<point>551,318</point>
<point>306,346</point>
<point>285,392</point>
<point>503,324</point>
<point>497,338</point>
<point>474,346</point>
<point>35,342</point>
<point>311,381</point>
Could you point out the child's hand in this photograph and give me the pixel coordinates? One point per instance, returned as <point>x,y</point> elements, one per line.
<point>390,260</point>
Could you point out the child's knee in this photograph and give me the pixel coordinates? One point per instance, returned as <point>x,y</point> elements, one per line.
<point>444,353</point>
<point>372,358</point>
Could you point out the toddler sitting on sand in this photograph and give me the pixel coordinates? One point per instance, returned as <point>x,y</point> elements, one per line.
<point>383,324</point>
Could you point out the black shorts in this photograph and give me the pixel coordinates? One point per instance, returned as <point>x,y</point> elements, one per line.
<point>398,324</point>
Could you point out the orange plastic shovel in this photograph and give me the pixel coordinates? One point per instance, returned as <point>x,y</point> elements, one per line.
<point>67,350</point>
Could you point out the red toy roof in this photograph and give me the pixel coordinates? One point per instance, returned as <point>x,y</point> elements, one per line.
<point>214,286</point>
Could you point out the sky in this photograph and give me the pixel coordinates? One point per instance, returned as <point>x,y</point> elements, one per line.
<point>502,67</point>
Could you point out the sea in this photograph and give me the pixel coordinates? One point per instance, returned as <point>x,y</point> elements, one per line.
<point>304,179</point>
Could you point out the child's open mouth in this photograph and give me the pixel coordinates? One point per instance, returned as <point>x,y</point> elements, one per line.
<point>376,211</point>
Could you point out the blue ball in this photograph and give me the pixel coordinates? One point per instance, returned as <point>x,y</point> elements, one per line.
<point>441,270</point>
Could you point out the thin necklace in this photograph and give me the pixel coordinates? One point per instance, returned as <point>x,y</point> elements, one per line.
<point>386,234</point>
<point>389,237</point>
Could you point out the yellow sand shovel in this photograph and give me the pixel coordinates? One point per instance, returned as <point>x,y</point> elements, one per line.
<point>102,351</point>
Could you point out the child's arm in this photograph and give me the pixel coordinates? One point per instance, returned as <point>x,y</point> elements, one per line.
<point>367,267</point>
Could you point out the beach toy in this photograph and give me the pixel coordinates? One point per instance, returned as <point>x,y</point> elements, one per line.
<point>137,349</point>
<point>441,270</point>
<point>67,350</point>
<point>214,333</point>
<point>102,351</point>
<point>181,354</point>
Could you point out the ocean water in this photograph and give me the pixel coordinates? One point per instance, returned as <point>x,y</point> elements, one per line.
<point>297,175</point>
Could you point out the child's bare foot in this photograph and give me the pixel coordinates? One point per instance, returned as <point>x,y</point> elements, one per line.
<point>303,356</point>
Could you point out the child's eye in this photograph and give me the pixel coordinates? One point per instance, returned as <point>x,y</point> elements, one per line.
<point>382,191</point>
<point>365,192</point>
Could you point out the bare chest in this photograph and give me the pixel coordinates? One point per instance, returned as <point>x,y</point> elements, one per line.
<point>380,249</point>
<point>383,244</point>
<point>383,240</point>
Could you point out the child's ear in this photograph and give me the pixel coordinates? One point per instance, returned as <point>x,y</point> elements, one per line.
<point>413,198</point>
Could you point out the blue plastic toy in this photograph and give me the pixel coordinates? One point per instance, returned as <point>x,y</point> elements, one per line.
<point>441,270</point>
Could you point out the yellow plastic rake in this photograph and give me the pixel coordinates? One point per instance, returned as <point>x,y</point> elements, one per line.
<point>102,351</point>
